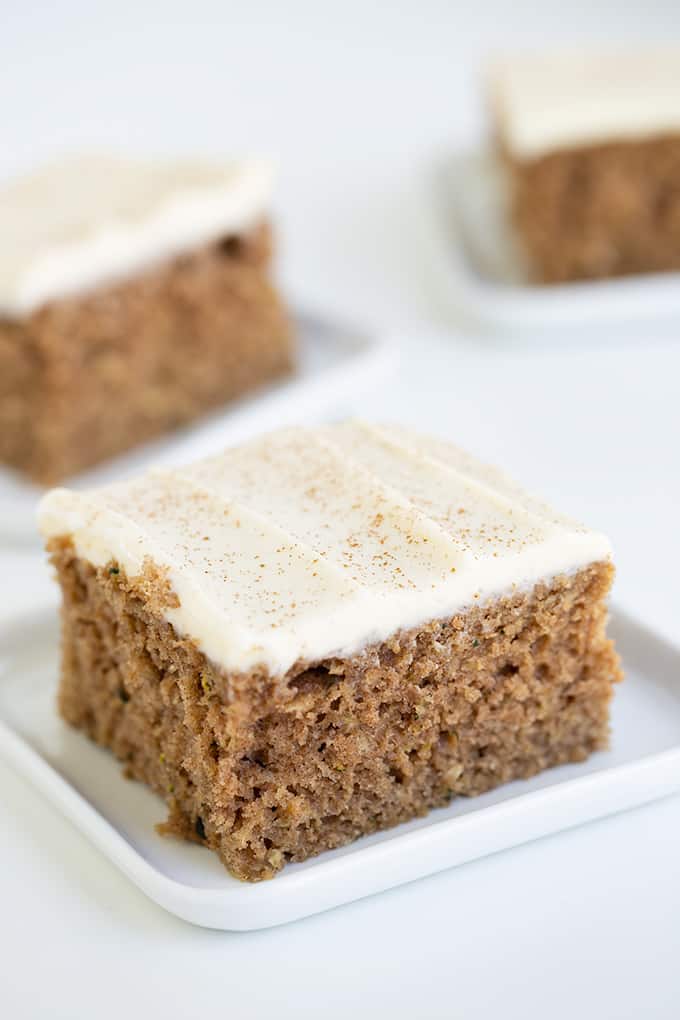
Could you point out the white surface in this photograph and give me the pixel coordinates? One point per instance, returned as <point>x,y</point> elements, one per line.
<point>557,99</point>
<point>87,220</point>
<point>489,279</point>
<point>315,542</point>
<point>357,100</point>
<point>335,362</point>
<point>119,817</point>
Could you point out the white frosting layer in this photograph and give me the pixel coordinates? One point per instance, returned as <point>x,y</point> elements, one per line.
<point>312,542</point>
<point>87,220</point>
<point>557,101</point>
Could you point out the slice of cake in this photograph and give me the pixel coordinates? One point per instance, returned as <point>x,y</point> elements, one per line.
<point>592,144</point>
<point>134,297</point>
<point>326,632</point>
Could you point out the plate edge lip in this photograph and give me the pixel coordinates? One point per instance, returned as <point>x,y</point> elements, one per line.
<point>179,897</point>
<point>185,900</point>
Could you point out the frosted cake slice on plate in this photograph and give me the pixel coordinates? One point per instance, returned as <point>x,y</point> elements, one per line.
<point>325,632</point>
<point>592,145</point>
<point>135,296</point>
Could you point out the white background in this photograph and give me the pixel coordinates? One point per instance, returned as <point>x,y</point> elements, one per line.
<point>357,101</point>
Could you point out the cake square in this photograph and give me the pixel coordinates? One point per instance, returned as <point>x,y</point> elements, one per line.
<point>326,632</point>
<point>591,143</point>
<point>135,296</point>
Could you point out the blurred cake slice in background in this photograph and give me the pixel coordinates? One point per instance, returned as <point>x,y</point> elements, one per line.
<point>592,145</point>
<point>135,296</point>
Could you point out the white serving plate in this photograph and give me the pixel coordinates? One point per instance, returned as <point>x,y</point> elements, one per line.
<point>118,816</point>
<point>489,280</point>
<point>335,362</point>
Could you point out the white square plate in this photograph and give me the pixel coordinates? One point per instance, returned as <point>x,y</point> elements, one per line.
<point>335,362</point>
<point>489,278</point>
<point>86,783</point>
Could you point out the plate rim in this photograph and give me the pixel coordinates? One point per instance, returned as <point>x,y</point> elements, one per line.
<point>396,859</point>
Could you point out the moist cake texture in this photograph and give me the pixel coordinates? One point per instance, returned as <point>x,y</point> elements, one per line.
<point>592,148</point>
<point>134,297</point>
<point>326,632</point>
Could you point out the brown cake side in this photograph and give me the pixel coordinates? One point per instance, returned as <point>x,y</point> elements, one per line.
<point>268,769</point>
<point>596,211</point>
<point>85,378</point>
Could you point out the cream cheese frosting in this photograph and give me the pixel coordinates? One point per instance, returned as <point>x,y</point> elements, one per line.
<point>564,100</point>
<point>311,542</point>
<point>86,220</point>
